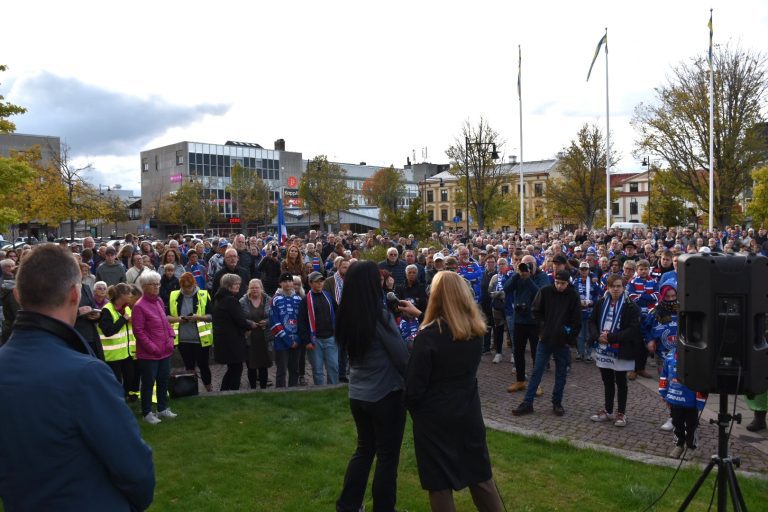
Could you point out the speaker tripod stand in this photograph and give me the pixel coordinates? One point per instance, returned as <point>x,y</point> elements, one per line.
<point>726,474</point>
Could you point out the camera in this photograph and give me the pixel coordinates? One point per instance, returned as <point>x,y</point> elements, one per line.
<point>522,308</point>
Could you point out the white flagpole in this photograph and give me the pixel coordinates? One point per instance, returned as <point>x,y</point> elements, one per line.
<point>520,98</point>
<point>607,142</point>
<point>711,131</point>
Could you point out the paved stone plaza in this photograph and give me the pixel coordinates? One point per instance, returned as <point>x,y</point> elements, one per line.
<point>641,439</point>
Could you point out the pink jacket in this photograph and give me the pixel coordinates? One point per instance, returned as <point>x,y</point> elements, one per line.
<point>154,335</point>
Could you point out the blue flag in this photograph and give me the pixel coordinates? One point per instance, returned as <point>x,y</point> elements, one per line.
<point>282,231</point>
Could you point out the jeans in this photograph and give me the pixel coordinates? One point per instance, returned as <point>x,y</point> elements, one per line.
<point>287,360</point>
<point>583,348</point>
<point>325,352</point>
<point>343,359</point>
<point>154,371</point>
<point>543,354</point>
<point>380,427</point>
<point>524,333</point>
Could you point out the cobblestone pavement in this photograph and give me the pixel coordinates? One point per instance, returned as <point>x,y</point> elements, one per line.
<point>641,439</point>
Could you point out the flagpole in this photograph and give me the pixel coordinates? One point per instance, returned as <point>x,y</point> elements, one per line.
<point>520,99</point>
<point>607,142</point>
<point>711,130</point>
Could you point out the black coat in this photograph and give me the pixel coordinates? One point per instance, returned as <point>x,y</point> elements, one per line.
<point>628,337</point>
<point>229,326</point>
<point>417,292</point>
<point>559,314</point>
<point>442,396</point>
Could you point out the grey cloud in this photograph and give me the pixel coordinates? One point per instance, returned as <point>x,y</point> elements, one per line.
<point>97,121</point>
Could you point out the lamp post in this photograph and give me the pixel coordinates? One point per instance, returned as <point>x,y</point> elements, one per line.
<point>647,163</point>
<point>479,144</point>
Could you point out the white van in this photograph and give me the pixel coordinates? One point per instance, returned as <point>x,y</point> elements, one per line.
<point>628,226</point>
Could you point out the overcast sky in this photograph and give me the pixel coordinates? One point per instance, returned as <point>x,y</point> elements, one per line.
<point>355,80</point>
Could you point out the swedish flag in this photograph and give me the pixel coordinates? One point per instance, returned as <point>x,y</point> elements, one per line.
<point>603,41</point>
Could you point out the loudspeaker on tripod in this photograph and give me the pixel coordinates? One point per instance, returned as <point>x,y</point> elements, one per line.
<point>722,344</point>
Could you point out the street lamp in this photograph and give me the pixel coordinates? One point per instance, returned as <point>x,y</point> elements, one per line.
<point>479,144</point>
<point>647,163</point>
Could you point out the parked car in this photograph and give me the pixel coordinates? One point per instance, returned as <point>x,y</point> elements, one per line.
<point>31,240</point>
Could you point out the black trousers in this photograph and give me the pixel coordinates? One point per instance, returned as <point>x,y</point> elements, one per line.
<point>257,377</point>
<point>380,428</point>
<point>498,337</point>
<point>524,333</point>
<point>231,379</point>
<point>195,354</point>
<point>613,380</point>
<point>685,420</point>
<point>124,373</point>
<point>287,360</point>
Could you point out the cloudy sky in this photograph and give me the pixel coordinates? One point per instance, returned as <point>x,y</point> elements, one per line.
<point>355,80</point>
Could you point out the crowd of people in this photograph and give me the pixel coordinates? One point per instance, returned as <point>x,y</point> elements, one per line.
<point>388,327</point>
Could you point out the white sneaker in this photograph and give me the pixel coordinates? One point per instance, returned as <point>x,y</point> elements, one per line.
<point>497,358</point>
<point>167,413</point>
<point>601,416</point>
<point>667,426</point>
<point>621,420</point>
<point>152,419</point>
<point>512,359</point>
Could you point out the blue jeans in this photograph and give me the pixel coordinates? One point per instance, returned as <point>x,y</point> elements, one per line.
<point>543,354</point>
<point>325,352</point>
<point>154,371</point>
<point>582,347</point>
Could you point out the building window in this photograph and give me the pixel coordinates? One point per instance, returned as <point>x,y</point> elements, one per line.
<point>180,157</point>
<point>444,215</point>
<point>443,195</point>
<point>430,196</point>
<point>518,189</point>
<point>538,189</point>
<point>614,208</point>
<point>504,190</point>
<point>633,208</point>
<point>431,215</point>
<point>157,162</point>
<point>458,213</point>
<point>144,164</point>
<point>633,187</point>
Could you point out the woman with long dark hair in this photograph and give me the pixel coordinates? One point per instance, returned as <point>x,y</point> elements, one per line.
<point>443,398</point>
<point>377,359</point>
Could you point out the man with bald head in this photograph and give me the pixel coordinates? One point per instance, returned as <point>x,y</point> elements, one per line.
<point>231,267</point>
<point>521,289</point>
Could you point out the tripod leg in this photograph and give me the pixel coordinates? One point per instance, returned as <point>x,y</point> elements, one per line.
<point>733,484</point>
<point>698,484</point>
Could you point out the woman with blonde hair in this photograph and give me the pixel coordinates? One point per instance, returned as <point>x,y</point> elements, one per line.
<point>443,399</point>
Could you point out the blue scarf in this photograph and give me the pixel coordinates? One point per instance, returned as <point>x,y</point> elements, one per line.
<point>616,322</point>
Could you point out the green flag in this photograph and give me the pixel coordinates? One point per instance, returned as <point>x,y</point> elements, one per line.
<point>603,41</point>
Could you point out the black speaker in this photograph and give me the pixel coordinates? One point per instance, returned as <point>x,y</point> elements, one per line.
<point>182,384</point>
<point>722,344</point>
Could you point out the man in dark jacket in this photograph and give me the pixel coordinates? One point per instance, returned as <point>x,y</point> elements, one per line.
<point>557,308</point>
<point>78,447</point>
<point>395,266</point>
<point>522,288</point>
<point>231,267</point>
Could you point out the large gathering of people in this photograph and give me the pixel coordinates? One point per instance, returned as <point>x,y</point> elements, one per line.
<point>407,333</point>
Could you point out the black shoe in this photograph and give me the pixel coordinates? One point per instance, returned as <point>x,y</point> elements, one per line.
<point>523,409</point>
<point>558,409</point>
<point>344,380</point>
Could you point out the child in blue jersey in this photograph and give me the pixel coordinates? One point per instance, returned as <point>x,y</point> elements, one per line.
<point>684,405</point>
<point>660,331</point>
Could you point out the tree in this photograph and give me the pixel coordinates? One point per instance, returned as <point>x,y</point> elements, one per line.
<point>79,195</point>
<point>14,174</point>
<point>410,221</point>
<point>485,177</point>
<point>190,205</point>
<point>250,194</point>
<point>44,197</point>
<point>676,127</point>
<point>324,189</point>
<point>577,193</point>
<point>385,189</point>
<point>758,207</point>
<point>7,110</point>
<point>668,200</point>
<point>113,209</point>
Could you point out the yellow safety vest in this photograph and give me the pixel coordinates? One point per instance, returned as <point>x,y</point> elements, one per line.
<point>205,329</point>
<point>117,346</point>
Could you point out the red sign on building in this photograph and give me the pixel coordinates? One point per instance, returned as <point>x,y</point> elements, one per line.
<point>293,182</point>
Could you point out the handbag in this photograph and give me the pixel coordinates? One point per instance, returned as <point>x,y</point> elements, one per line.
<point>183,384</point>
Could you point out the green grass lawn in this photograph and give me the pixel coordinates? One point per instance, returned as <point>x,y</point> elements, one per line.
<point>288,452</point>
